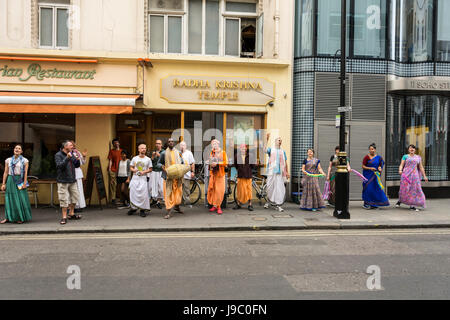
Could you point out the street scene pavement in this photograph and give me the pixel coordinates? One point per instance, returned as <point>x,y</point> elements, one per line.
<point>197,218</point>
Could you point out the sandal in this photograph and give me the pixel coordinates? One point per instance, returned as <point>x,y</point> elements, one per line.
<point>167,216</point>
<point>63,221</point>
<point>19,222</point>
<point>74,217</point>
<point>4,221</point>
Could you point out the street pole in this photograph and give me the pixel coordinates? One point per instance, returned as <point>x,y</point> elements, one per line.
<point>342,175</point>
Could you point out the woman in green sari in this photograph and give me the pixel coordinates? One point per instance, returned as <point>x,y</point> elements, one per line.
<point>15,182</point>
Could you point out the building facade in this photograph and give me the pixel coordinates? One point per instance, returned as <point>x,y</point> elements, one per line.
<point>92,70</point>
<point>398,84</point>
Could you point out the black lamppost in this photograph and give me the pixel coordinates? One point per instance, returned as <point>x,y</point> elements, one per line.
<point>342,177</point>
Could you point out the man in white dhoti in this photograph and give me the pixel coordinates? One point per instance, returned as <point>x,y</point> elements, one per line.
<point>79,177</point>
<point>156,184</point>
<point>140,166</point>
<point>277,173</point>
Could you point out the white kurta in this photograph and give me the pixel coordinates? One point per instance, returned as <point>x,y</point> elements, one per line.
<point>139,198</point>
<point>156,185</point>
<point>275,188</point>
<point>79,177</point>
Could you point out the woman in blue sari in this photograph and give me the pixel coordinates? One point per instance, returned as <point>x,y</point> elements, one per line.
<point>373,191</point>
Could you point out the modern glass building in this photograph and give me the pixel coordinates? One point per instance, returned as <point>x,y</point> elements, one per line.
<point>398,84</point>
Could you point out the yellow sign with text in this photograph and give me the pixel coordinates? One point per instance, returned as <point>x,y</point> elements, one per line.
<point>215,90</point>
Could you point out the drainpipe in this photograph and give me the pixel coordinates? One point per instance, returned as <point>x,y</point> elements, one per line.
<point>276,18</point>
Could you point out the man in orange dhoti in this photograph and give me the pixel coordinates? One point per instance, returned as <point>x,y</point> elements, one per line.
<point>172,187</point>
<point>216,187</point>
<point>244,178</point>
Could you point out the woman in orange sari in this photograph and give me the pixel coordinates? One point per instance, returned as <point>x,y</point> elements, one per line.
<point>216,189</point>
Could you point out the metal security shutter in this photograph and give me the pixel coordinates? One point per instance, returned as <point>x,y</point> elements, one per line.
<point>327,95</point>
<point>361,136</point>
<point>327,140</point>
<point>368,97</point>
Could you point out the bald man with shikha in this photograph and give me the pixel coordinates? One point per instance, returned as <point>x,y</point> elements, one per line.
<point>140,166</point>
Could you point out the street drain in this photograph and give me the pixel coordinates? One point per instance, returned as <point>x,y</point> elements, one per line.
<point>259,219</point>
<point>285,215</point>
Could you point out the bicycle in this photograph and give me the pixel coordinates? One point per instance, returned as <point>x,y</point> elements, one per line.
<point>230,186</point>
<point>195,190</point>
<point>259,185</point>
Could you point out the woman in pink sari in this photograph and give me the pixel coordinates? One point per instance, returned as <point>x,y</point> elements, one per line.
<point>411,171</point>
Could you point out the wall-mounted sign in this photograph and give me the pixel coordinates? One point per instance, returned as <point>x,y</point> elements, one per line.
<point>35,70</point>
<point>217,90</point>
<point>421,83</point>
<point>61,73</point>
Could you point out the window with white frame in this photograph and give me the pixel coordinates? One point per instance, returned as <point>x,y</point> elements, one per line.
<point>53,26</point>
<point>206,27</point>
<point>166,25</point>
<point>241,28</point>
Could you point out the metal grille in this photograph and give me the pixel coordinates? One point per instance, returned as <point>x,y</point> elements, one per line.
<point>368,97</point>
<point>328,95</point>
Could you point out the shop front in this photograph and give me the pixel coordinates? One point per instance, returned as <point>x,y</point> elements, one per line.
<point>46,100</point>
<point>196,100</point>
<point>418,113</point>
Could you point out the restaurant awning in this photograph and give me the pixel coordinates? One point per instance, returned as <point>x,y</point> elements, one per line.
<point>38,102</point>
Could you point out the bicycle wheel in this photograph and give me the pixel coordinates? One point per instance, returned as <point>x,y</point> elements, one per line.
<point>195,192</point>
<point>235,193</point>
<point>229,194</point>
<point>259,192</point>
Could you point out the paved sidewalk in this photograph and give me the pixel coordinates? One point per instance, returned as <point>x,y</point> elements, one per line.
<point>437,215</point>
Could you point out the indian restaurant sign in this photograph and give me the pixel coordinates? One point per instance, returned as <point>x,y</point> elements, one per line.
<point>36,71</point>
<point>69,74</point>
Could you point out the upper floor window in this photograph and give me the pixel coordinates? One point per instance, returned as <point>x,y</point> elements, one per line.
<point>369,28</point>
<point>414,30</point>
<point>166,25</point>
<point>366,28</point>
<point>304,28</point>
<point>206,27</point>
<point>329,27</point>
<point>240,28</point>
<point>53,29</point>
<point>443,31</point>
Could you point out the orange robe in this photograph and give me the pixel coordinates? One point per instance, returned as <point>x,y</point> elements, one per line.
<point>216,187</point>
<point>244,190</point>
<point>173,196</point>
